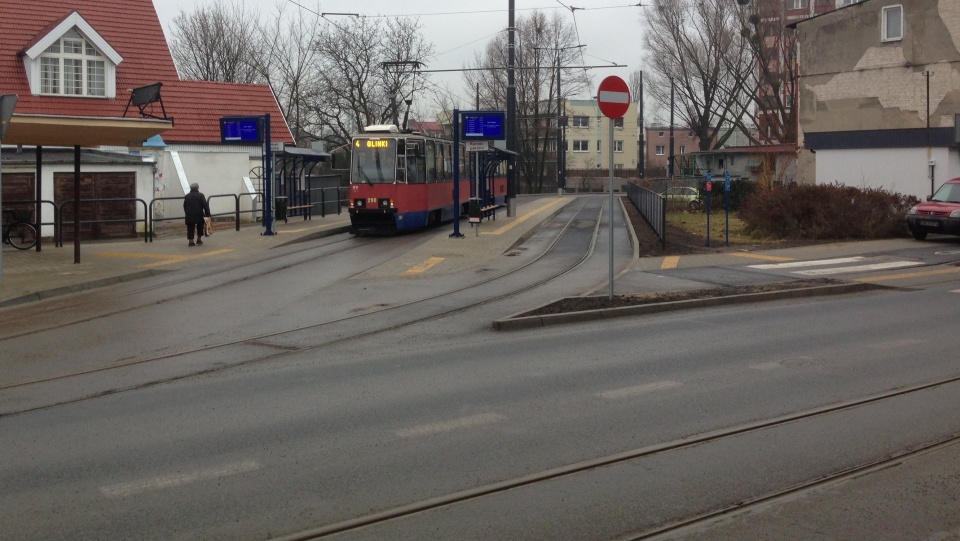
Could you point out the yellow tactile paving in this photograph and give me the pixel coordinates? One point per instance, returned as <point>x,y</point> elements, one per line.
<point>164,259</point>
<point>670,262</point>
<point>423,267</point>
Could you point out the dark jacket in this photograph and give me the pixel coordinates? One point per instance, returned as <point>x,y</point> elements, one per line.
<point>195,207</point>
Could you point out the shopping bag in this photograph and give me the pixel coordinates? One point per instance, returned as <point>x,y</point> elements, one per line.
<point>207,227</point>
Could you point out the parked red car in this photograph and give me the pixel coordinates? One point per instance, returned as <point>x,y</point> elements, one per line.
<point>939,214</point>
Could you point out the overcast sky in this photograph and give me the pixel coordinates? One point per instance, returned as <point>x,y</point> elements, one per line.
<point>610,29</point>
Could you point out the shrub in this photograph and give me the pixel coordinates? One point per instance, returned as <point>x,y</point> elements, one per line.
<point>826,211</point>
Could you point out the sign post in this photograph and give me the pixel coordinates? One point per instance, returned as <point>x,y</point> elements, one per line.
<point>709,190</point>
<point>613,98</point>
<point>7,103</point>
<point>475,129</point>
<point>726,201</point>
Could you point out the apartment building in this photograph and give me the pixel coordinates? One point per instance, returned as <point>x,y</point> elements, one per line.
<point>587,137</point>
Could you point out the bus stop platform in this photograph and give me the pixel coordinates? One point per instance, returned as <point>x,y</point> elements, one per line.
<point>30,276</point>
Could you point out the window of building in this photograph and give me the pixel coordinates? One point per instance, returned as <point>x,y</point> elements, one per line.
<point>599,147</point>
<point>618,123</point>
<point>660,134</point>
<point>798,4</point>
<point>581,122</point>
<point>683,149</point>
<point>618,166</point>
<point>72,66</point>
<point>581,146</point>
<point>892,23</point>
<point>661,150</point>
<point>618,146</point>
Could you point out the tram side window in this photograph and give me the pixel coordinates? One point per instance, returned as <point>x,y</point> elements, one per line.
<point>464,162</point>
<point>447,162</point>
<point>431,159</point>
<point>416,173</point>
<point>401,169</point>
<point>441,176</point>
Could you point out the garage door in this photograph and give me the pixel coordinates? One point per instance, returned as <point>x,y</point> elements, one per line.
<point>18,187</point>
<point>102,219</point>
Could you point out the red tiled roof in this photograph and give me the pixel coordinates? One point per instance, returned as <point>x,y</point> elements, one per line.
<point>132,28</point>
<point>202,103</point>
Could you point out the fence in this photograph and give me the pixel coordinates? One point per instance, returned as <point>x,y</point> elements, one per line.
<point>32,204</point>
<point>235,214</point>
<point>333,202</point>
<point>79,222</point>
<point>653,208</point>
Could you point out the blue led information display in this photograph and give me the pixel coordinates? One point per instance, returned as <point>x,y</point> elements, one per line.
<point>483,125</point>
<point>240,129</point>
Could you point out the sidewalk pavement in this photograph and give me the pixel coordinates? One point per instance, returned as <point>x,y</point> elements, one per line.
<point>31,276</point>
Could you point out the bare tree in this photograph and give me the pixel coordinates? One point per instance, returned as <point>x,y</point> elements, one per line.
<point>216,42</point>
<point>365,71</point>
<point>770,87</point>
<point>542,47</point>
<point>696,48</point>
<point>288,62</point>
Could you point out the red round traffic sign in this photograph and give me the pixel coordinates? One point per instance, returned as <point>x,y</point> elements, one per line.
<point>613,97</point>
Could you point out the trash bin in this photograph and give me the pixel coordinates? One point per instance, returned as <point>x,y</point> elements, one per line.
<point>280,208</point>
<point>474,210</point>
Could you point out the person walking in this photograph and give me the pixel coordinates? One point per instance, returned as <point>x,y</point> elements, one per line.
<point>195,208</point>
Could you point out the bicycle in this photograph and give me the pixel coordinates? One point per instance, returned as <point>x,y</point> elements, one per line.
<point>17,229</point>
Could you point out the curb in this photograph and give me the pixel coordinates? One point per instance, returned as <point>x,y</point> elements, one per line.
<point>83,286</point>
<point>517,322</point>
<point>316,235</point>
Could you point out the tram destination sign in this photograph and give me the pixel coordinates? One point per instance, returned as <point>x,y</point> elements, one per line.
<point>483,125</point>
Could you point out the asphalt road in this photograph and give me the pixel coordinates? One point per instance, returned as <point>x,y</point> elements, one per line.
<point>345,423</point>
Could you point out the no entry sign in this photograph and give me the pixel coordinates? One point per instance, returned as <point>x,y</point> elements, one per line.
<point>613,97</point>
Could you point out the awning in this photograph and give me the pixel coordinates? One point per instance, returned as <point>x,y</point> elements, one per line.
<point>308,154</point>
<point>69,131</point>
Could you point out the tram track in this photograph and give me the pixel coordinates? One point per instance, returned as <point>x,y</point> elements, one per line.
<point>684,525</point>
<point>18,318</point>
<point>264,340</point>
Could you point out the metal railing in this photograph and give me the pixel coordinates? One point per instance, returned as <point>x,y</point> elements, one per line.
<point>653,208</point>
<point>145,219</point>
<point>235,213</point>
<point>339,199</point>
<point>32,204</point>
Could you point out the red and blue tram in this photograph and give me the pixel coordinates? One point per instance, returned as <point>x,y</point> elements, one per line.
<point>403,181</point>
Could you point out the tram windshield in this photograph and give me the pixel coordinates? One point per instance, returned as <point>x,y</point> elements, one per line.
<point>374,161</point>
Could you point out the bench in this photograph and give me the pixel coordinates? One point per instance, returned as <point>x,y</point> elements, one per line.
<point>489,210</point>
<point>308,215</point>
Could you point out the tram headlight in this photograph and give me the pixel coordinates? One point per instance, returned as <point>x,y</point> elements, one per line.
<point>357,203</point>
<point>386,203</point>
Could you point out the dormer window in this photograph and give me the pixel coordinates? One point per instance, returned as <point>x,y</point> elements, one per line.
<point>72,59</point>
<point>73,66</point>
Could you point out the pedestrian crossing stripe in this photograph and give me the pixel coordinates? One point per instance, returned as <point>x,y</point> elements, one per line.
<point>834,269</point>
<point>859,268</point>
<point>813,263</point>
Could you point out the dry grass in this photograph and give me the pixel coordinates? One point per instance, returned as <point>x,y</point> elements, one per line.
<point>696,224</point>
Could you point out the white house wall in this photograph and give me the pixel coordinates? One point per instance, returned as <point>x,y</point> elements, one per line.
<point>217,173</point>
<point>894,170</point>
